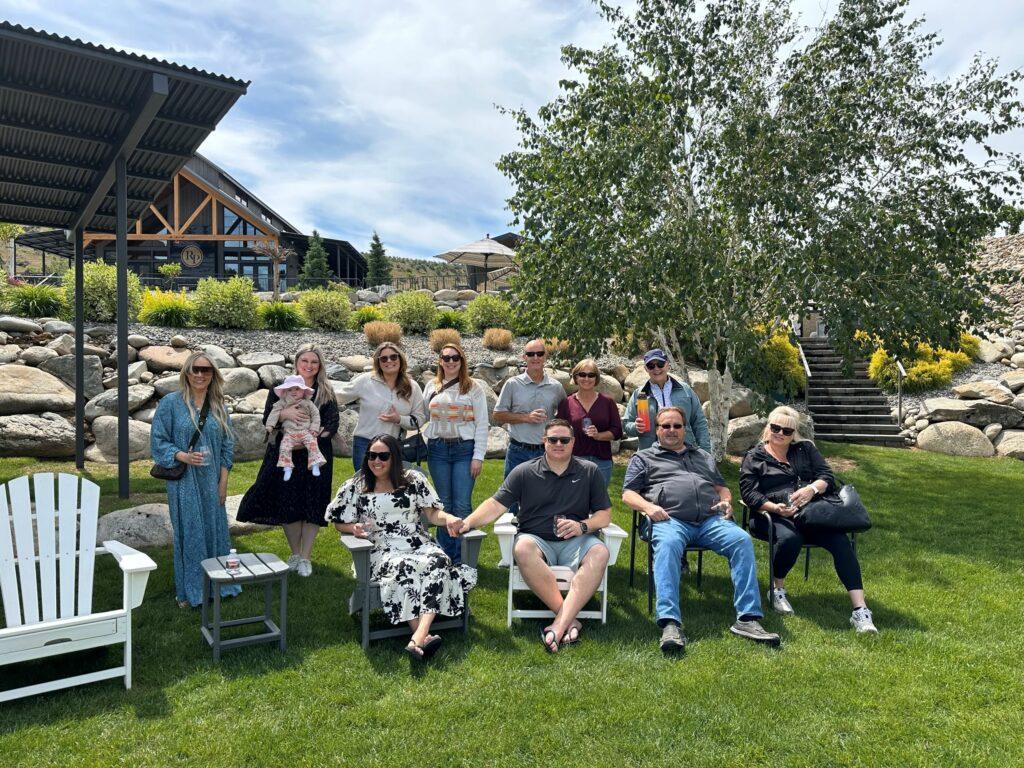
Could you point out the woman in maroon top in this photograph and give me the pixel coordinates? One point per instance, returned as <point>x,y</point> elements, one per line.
<point>594,418</point>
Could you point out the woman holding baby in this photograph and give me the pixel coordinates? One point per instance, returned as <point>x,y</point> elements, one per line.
<point>293,488</point>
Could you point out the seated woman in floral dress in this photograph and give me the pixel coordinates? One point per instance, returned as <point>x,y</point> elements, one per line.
<point>383,503</point>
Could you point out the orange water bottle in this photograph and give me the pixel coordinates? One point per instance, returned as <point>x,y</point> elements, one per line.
<point>643,415</point>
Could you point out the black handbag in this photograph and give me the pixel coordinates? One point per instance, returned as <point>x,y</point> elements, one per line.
<point>177,472</point>
<point>845,512</point>
<point>414,448</point>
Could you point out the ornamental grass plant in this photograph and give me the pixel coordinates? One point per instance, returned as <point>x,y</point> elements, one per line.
<point>440,337</point>
<point>379,331</point>
<point>167,308</point>
<point>498,339</point>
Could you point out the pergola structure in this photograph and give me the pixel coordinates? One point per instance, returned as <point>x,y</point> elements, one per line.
<point>89,137</point>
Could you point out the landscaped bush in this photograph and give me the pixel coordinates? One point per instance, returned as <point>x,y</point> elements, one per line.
<point>775,365</point>
<point>35,301</point>
<point>441,337</point>
<point>379,331</point>
<point>360,317</point>
<point>100,295</point>
<point>415,312</point>
<point>497,338</point>
<point>279,316</point>
<point>170,273</point>
<point>556,348</point>
<point>487,311</point>
<point>451,318</point>
<point>166,308</point>
<point>227,304</point>
<point>326,310</point>
<point>928,368</point>
<point>970,345</point>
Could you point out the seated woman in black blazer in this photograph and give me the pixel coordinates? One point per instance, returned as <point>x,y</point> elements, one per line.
<point>780,474</point>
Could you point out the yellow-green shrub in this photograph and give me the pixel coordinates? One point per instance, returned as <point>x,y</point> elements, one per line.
<point>928,368</point>
<point>775,364</point>
<point>166,308</point>
<point>99,299</point>
<point>360,317</point>
<point>326,309</point>
<point>970,345</point>
<point>227,304</point>
<point>415,312</point>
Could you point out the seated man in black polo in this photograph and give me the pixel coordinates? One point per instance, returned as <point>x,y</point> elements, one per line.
<point>554,484</point>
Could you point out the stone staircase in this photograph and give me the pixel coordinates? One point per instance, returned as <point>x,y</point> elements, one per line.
<point>846,408</point>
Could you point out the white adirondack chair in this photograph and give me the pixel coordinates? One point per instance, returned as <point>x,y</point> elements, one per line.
<point>46,578</point>
<point>505,531</point>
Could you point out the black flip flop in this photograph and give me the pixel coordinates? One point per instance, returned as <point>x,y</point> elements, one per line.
<point>431,647</point>
<point>567,638</point>
<point>544,632</point>
<point>414,651</point>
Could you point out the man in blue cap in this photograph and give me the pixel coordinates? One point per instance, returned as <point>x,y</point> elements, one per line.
<point>661,391</point>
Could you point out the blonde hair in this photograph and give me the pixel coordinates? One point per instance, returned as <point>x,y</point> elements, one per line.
<point>465,382</point>
<point>324,391</point>
<point>784,416</point>
<point>214,394</point>
<point>403,384</point>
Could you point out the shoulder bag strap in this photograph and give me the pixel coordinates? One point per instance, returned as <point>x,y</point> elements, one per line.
<point>445,386</point>
<point>203,413</point>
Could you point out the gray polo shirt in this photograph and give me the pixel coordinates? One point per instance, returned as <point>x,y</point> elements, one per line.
<point>541,494</point>
<point>521,394</point>
<point>681,483</point>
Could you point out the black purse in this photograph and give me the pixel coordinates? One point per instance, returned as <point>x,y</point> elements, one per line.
<point>414,448</point>
<point>177,472</point>
<point>845,512</point>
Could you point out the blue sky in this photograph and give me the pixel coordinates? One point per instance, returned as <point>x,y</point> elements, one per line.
<point>381,116</point>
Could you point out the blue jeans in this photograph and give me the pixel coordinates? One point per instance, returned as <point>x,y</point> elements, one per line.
<point>516,455</point>
<point>604,466</point>
<point>449,470</point>
<point>359,447</point>
<point>670,539</point>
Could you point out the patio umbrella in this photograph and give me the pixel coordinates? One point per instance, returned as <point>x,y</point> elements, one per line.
<point>484,253</point>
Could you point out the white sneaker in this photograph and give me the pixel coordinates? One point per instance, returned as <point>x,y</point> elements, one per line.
<point>293,562</point>
<point>862,623</point>
<point>305,568</point>
<point>316,470</point>
<point>777,598</point>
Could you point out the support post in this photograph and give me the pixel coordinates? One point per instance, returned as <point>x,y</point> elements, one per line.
<point>121,185</point>
<point>79,258</point>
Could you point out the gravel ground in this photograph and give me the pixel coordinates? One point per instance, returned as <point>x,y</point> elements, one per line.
<point>976,372</point>
<point>334,344</point>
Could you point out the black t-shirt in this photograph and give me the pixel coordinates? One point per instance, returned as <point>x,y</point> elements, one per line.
<point>541,494</point>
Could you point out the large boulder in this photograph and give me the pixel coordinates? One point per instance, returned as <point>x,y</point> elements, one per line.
<point>24,389</point>
<point>976,412</point>
<point>993,351</point>
<point>236,528</point>
<point>984,390</point>
<point>739,402</point>
<point>138,341</point>
<point>489,393</point>
<point>743,433</point>
<point>141,527</point>
<point>160,358</point>
<point>104,450</point>
<point>106,404</point>
<point>337,372</point>
<point>256,360</point>
<point>19,325</point>
<point>368,297</point>
<point>145,414</point>
<point>254,402</point>
<point>944,409</point>
<point>64,369</point>
<point>239,382</point>
<point>167,384</point>
<point>699,382</point>
<point>466,294</point>
<point>37,355</point>
<point>563,378</point>
<point>250,436</point>
<point>356,363</point>
<point>619,371</point>
<point>272,375</point>
<point>64,345</point>
<point>497,443</point>
<point>446,294</point>
<point>9,353</point>
<point>636,378</point>
<point>956,439</point>
<point>609,385</point>
<point>219,356</point>
<point>1014,381</point>
<point>1010,442</point>
<point>136,369</point>
<point>494,376</point>
<point>58,326</point>
<point>47,435</point>
<point>342,440</point>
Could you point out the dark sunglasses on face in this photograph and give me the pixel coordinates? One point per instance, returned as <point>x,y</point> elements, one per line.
<point>672,425</point>
<point>534,354</point>
<point>379,455</point>
<point>787,431</point>
<point>202,369</point>
<point>585,375</point>
<point>558,440</point>
<point>655,364</point>
<point>388,358</point>
<point>451,358</point>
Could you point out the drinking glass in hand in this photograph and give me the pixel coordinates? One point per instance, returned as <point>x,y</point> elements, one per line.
<point>558,519</point>
<point>369,527</point>
<point>207,454</point>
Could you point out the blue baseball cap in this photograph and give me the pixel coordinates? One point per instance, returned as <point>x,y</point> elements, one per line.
<point>656,354</point>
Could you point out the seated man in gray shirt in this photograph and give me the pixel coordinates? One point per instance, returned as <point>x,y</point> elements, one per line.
<point>563,502</point>
<point>678,488</point>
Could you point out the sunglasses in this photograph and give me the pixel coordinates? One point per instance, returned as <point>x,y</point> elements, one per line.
<point>672,425</point>
<point>378,455</point>
<point>534,354</point>
<point>787,431</point>
<point>584,375</point>
<point>558,440</point>
<point>388,358</point>
<point>451,358</point>
<point>203,370</point>
<point>655,364</point>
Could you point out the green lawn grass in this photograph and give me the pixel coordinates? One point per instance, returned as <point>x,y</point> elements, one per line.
<point>941,684</point>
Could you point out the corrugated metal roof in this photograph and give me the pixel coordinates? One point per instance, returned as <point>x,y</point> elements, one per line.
<point>65,106</point>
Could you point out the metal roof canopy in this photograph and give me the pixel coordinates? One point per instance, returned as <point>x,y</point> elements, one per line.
<point>53,241</point>
<point>77,119</point>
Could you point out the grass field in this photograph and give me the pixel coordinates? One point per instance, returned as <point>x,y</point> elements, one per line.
<point>941,684</point>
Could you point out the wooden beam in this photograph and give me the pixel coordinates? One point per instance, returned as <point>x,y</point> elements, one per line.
<point>177,203</point>
<point>162,219</point>
<point>240,210</point>
<point>214,219</point>
<point>195,214</point>
<point>138,226</point>
<point>97,236</point>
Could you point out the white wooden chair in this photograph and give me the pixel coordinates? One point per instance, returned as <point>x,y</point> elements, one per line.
<point>46,578</point>
<point>505,530</point>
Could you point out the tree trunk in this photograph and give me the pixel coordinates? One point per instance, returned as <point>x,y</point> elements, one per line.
<point>719,387</point>
<point>670,343</point>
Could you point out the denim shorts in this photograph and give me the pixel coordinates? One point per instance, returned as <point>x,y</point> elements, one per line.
<point>568,552</point>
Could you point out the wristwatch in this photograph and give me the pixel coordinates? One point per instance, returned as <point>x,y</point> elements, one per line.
<point>583,528</point>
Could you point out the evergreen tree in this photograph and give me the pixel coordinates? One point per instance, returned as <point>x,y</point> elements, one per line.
<point>316,272</point>
<point>378,268</point>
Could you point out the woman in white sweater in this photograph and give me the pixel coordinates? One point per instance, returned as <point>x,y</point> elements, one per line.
<point>389,400</point>
<point>456,436</point>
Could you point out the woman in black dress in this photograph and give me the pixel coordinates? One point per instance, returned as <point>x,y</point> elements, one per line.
<point>299,504</point>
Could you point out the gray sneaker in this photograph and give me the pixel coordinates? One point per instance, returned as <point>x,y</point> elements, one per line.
<point>777,599</point>
<point>752,630</point>
<point>672,639</point>
<point>862,622</point>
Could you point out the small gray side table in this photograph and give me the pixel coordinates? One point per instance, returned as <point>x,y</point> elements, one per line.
<point>259,568</point>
